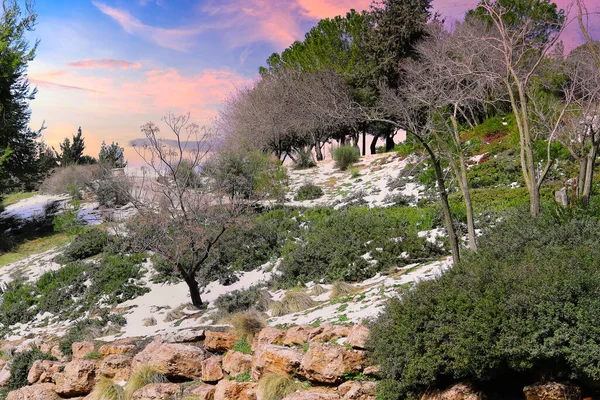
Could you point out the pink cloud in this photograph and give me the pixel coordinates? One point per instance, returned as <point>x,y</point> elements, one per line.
<point>104,64</point>
<point>319,9</point>
<point>48,84</point>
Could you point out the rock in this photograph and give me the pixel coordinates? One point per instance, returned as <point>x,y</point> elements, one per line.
<point>42,391</point>
<point>174,360</point>
<point>157,391</point>
<point>116,366</point>
<point>204,392</point>
<point>297,335</point>
<point>274,359</point>
<point>373,371</point>
<point>357,338</point>
<point>183,336</point>
<point>211,369</point>
<point>313,394</point>
<point>4,375</point>
<point>460,391</point>
<point>231,390</point>
<point>269,335</point>
<point>356,390</point>
<point>78,378</point>
<point>328,362</point>
<point>552,391</point>
<point>43,371</point>
<point>219,341</point>
<point>81,349</point>
<point>235,363</point>
<point>117,348</point>
<point>330,332</point>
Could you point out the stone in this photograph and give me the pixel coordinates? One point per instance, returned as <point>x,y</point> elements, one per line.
<point>157,391</point>
<point>41,391</point>
<point>274,359</point>
<point>77,378</point>
<point>4,375</point>
<point>116,366</point>
<point>117,348</point>
<point>235,363</point>
<point>460,391</point>
<point>174,360</point>
<point>330,332</point>
<point>328,363</point>
<point>81,349</point>
<point>552,391</point>
<point>373,371</point>
<point>219,341</point>
<point>269,335</point>
<point>297,335</point>
<point>43,371</point>
<point>358,390</point>
<point>358,336</point>
<point>183,336</point>
<point>212,370</point>
<point>313,394</point>
<point>232,390</point>
<point>204,392</point>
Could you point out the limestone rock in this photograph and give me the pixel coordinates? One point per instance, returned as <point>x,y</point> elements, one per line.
<point>328,362</point>
<point>235,363</point>
<point>460,391</point>
<point>80,349</point>
<point>204,392</point>
<point>157,391</point>
<point>183,336</point>
<point>313,394</point>
<point>356,390</point>
<point>357,338</point>
<point>269,335</point>
<point>231,390</point>
<point>42,391</point>
<point>4,375</point>
<point>274,359</point>
<point>330,332</point>
<point>117,348</point>
<point>43,371</point>
<point>174,360</point>
<point>219,341</point>
<point>297,335</point>
<point>552,391</point>
<point>373,371</point>
<point>116,366</point>
<point>78,378</point>
<point>212,370</point>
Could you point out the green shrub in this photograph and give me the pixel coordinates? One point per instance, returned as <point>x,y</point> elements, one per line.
<point>526,304</point>
<point>87,244</point>
<point>17,299</point>
<point>304,159</point>
<point>345,156</point>
<point>56,291</point>
<point>21,364</point>
<point>242,300</point>
<point>243,346</point>
<point>308,191</point>
<point>93,355</point>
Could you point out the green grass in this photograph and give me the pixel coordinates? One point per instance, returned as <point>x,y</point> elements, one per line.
<point>16,197</point>
<point>35,246</point>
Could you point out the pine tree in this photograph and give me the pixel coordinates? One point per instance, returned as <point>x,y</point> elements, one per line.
<point>72,153</point>
<point>112,156</point>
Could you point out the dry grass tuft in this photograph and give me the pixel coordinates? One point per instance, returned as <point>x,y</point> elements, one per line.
<point>248,323</point>
<point>317,290</point>
<point>177,313</point>
<point>143,376</point>
<point>342,289</point>
<point>295,301</point>
<point>276,387</point>
<point>277,309</point>
<point>106,389</point>
<point>150,321</point>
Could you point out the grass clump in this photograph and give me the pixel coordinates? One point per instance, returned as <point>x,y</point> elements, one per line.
<point>317,290</point>
<point>276,387</point>
<point>145,375</point>
<point>243,377</point>
<point>93,355</point>
<point>35,246</point>
<point>341,289</point>
<point>277,309</point>
<point>248,323</point>
<point>295,301</point>
<point>345,156</point>
<point>308,191</point>
<point>106,389</point>
<point>510,309</point>
<point>243,346</point>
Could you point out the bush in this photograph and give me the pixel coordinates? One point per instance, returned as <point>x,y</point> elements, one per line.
<point>21,364</point>
<point>308,191</point>
<point>242,300</point>
<point>524,307</point>
<point>112,191</point>
<point>87,244</point>
<point>304,159</point>
<point>71,180</point>
<point>242,346</point>
<point>345,156</point>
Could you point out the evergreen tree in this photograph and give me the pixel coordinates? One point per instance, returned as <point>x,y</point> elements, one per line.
<point>71,153</point>
<point>112,156</point>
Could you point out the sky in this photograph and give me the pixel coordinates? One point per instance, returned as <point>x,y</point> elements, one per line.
<point>110,66</point>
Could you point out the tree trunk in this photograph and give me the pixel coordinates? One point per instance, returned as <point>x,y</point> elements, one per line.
<point>364,143</point>
<point>439,176</point>
<point>589,174</point>
<point>389,142</point>
<point>318,151</point>
<point>582,175</point>
<point>373,146</point>
<point>190,280</point>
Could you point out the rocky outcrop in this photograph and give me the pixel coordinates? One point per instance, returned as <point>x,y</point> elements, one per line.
<point>43,371</point>
<point>358,336</point>
<point>269,335</point>
<point>330,333</point>
<point>297,335</point>
<point>552,391</point>
<point>204,392</point>
<point>77,378</point>
<point>42,391</point>
<point>212,370</point>
<point>158,391</point>
<point>231,390</point>
<point>174,360</point>
<point>116,366</point>
<point>122,347</point>
<point>81,349</point>
<point>275,359</point>
<point>329,363</point>
<point>235,363</point>
<point>219,341</point>
<point>357,390</point>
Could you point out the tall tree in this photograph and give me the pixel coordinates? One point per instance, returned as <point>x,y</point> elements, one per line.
<point>71,153</point>
<point>112,156</point>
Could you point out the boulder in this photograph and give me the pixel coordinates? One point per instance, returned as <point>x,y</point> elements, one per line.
<point>269,335</point>
<point>297,335</point>
<point>116,366</point>
<point>219,341</point>
<point>4,375</point>
<point>77,378</point>
<point>330,332</point>
<point>235,363</point>
<point>358,390</point>
<point>81,349</point>
<point>43,371</point>
<point>357,338</point>
<point>313,394</point>
<point>183,336</point>
<point>328,363</point>
<point>174,360</point>
<point>274,359</point>
<point>212,370</point>
<point>232,390</point>
<point>42,391</point>
<point>373,371</point>
<point>117,348</point>
<point>552,391</point>
<point>157,391</point>
<point>460,391</point>
<point>204,392</point>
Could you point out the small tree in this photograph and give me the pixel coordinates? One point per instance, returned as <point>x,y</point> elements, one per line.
<point>112,156</point>
<point>72,152</point>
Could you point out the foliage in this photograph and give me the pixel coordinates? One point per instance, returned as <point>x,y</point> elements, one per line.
<point>304,159</point>
<point>71,180</point>
<point>243,300</point>
<point>72,153</point>
<point>21,364</point>
<point>243,346</point>
<point>111,190</point>
<point>345,156</point>
<point>87,244</point>
<point>513,307</point>
<point>69,221</point>
<point>276,387</point>
<point>341,289</point>
<point>295,301</point>
<point>308,191</point>
<point>112,156</point>
<point>145,375</point>
<point>93,355</point>
<point>248,323</point>
<point>88,329</point>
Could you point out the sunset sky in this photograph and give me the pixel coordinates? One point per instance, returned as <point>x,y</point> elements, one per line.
<point>111,65</point>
